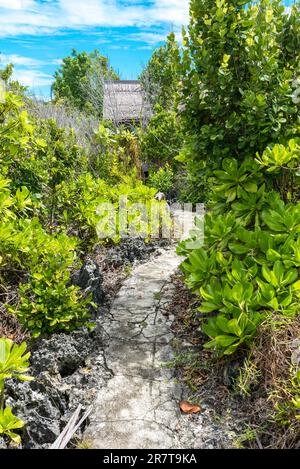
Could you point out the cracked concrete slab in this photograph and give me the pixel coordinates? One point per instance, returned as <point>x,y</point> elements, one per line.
<point>139,407</point>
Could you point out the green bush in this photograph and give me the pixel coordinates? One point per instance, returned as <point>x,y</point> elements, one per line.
<point>162,180</point>
<point>48,304</point>
<point>249,265</point>
<point>74,78</point>
<point>161,141</point>
<point>239,65</point>
<point>244,132</point>
<point>160,78</point>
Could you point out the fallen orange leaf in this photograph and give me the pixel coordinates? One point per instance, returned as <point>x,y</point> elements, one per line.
<point>188,408</point>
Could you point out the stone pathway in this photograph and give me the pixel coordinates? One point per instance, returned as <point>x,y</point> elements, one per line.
<point>139,408</point>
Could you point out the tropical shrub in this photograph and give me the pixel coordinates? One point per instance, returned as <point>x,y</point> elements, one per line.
<point>194,187</point>
<point>161,140</point>
<point>249,265</point>
<point>163,179</point>
<point>13,364</point>
<point>48,304</point>
<point>244,130</point>
<point>8,423</point>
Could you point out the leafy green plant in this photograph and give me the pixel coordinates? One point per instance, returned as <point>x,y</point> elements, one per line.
<point>13,360</point>
<point>234,179</point>
<point>48,304</point>
<point>50,194</point>
<point>288,411</point>
<point>228,334</point>
<point>198,267</point>
<point>161,141</point>
<point>282,218</point>
<point>13,364</point>
<point>219,229</point>
<point>239,64</point>
<point>162,180</point>
<point>232,300</point>
<point>279,157</point>
<point>160,78</point>
<point>72,78</point>
<point>8,423</point>
<point>281,289</point>
<point>243,272</point>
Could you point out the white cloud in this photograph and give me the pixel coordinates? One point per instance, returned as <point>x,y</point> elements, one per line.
<point>56,61</point>
<point>118,47</point>
<point>102,41</point>
<point>19,17</point>
<point>32,78</point>
<point>8,30</point>
<point>172,11</point>
<point>19,60</point>
<point>114,13</point>
<point>16,4</point>
<point>149,38</point>
<point>145,47</point>
<point>152,38</point>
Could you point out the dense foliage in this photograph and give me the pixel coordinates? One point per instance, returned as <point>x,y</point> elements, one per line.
<point>160,78</point>
<point>73,79</point>
<point>225,120</point>
<point>242,60</point>
<point>241,65</point>
<point>249,265</point>
<point>50,193</point>
<point>162,180</point>
<point>60,195</point>
<point>161,140</point>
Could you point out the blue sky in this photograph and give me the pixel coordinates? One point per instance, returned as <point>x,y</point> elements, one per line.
<point>36,34</point>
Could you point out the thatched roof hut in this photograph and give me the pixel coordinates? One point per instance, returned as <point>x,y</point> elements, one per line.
<point>123,101</point>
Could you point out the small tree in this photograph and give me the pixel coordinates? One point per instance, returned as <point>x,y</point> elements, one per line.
<point>78,78</point>
<point>160,77</point>
<point>6,75</point>
<point>240,63</point>
<point>161,140</point>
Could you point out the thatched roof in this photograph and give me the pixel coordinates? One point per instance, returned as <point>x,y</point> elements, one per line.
<point>123,101</point>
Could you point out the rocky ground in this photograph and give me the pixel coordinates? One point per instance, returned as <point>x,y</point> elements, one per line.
<point>69,369</point>
<point>135,366</point>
